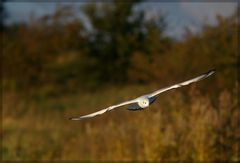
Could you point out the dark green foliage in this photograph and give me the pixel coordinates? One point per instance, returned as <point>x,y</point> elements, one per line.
<point>122,46</point>
<point>3,14</point>
<point>117,33</point>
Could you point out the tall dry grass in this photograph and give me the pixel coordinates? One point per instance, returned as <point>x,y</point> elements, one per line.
<point>180,125</point>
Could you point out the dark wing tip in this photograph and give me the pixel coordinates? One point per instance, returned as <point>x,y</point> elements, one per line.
<point>210,72</point>
<point>207,74</point>
<point>73,118</point>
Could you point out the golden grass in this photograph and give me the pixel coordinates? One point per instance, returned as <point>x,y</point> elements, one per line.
<point>175,127</point>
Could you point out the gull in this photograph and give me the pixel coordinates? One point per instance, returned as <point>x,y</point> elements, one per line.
<point>145,100</point>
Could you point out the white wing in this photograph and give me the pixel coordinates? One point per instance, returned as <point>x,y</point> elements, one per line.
<point>104,110</point>
<point>201,77</point>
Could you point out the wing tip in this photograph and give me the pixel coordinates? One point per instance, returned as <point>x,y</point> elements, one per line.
<point>74,118</point>
<point>210,72</point>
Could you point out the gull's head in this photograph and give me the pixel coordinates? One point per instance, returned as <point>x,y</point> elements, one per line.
<point>143,103</point>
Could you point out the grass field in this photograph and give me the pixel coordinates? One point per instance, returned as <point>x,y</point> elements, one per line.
<point>60,65</point>
<point>181,125</point>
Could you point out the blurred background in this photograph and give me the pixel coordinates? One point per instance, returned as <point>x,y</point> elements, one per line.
<point>67,59</point>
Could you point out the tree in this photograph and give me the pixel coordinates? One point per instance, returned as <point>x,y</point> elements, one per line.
<point>117,33</point>
<point>2,14</point>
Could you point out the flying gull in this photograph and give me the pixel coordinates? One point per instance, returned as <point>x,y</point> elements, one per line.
<point>145,100</point>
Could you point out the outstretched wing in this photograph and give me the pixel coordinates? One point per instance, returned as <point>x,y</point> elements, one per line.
<point>201,77</point>
<point>104,110</point>
<point>134,107</point>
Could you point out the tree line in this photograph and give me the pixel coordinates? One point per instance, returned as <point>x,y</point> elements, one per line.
<point>120,46</point>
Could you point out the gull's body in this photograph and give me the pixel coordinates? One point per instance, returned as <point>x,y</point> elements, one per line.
<point>145,100</point>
